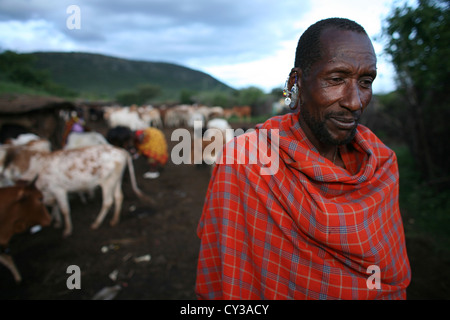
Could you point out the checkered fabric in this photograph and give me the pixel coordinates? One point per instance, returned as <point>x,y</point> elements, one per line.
<point>310,230</point>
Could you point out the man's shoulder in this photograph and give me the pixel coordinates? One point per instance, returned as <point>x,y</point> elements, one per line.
<point>276,121</point>
<point>369,136</point>
<point>378,147</point>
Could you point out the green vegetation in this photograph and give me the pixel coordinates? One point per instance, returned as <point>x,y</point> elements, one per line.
<point>143,94</point>
<point>102,77</point>
<point>425,208</point>
<point>98,77</point>
<point>418,41</point>
<point>7,86</point>
<point>415,117</point>
<point>20,76</point>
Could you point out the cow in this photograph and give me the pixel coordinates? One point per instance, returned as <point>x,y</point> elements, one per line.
<point>21,208</point>
<point>151,116</point>
<point>76,170</point>
<point>22,142</point>
<point>243,112</point>
<point>223,126</point>
<point>23,139</point>
<point>127,117</point>
<point>11,131</point>
<point>195,116</point>
<point>84,139</point>
<point>217,133</point>
<point>215,112</point>
<point>176,116</point>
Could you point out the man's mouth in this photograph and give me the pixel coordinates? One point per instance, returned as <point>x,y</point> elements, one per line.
<point>344,123</point>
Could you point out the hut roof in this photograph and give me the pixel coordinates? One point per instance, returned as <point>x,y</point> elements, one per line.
<point>17,104</point>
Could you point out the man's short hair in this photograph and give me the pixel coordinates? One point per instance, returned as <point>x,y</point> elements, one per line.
<point>309,49</point>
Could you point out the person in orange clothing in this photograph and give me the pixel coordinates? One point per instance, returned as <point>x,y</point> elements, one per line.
<point>152,144</point>
<point>324,222</point>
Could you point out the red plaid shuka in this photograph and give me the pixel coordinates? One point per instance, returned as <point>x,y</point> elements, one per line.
<point>311,230</point>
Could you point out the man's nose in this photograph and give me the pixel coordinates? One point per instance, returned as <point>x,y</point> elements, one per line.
<point>351,99</point>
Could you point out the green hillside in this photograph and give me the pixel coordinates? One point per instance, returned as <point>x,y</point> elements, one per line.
<point>104,76</point>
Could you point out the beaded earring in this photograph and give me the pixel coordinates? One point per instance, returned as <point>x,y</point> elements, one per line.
<point>291,95</point>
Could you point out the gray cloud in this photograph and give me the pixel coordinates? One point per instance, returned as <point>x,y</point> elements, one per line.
<point>202,34</point>
<point>172,30</point>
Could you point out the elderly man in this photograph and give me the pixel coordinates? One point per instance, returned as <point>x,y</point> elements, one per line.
<point>325,222</point>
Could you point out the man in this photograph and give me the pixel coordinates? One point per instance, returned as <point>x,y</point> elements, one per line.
<point>326,223</point>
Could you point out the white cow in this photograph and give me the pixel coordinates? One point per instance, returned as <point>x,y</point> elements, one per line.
<point>151,116</point>
<point>84,139</point>
<point>75,170</point>
<point>126,117</point>
<point>218,133</point>
<point>223,126</point>
<point>177,116</point>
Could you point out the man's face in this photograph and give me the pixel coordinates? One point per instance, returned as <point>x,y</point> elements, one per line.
<point>338,87</point>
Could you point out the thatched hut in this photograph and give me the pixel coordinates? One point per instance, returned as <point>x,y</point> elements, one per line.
<point>41,115</point>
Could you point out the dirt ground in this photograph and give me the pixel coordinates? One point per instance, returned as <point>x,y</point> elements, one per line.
<point>152,253</point>
<point>165,233</point>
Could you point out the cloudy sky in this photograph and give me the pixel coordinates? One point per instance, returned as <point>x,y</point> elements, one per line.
<point>239,42</point>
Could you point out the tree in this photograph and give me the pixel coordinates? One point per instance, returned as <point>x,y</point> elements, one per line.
<point>146,92</point>
<point>18,68</point>
<point>418,42</point>
<point>141,95</point>
<point>250,96</point>
<point>127,98</point>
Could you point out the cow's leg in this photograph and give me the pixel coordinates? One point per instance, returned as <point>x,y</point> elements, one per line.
<point>8,261</point>
<point>107,194</point>
<point>90,195</point>
<point>63,203</point>
<point>118,199</point>
<point>56,215</point>
<point>82,197</point>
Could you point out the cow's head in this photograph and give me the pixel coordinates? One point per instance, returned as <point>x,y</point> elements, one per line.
<point>28,208</point>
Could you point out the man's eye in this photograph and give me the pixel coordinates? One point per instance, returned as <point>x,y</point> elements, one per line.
<point>336,80</point>
<point>366,83</point>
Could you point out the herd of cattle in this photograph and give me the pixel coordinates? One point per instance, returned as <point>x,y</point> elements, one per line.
<point>141,117</point>
<point>34,176</point>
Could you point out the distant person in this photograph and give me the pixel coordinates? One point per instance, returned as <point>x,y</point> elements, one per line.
<point>325,224</point>
<point>152,144</point>
<point>73,124</point>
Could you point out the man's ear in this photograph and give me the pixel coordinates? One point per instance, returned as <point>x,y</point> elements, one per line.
<point>295,77</point>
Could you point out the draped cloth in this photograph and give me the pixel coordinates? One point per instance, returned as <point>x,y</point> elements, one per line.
<point>309,230</point>
<point>152,143</point>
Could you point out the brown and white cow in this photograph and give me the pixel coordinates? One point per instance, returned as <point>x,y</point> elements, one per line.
<point>75,170</point>
<point>15,146</point>
<point>21,208</point>
<point>242,112</point>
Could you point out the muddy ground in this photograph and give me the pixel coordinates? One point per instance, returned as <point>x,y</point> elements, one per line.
<point>165,234</point>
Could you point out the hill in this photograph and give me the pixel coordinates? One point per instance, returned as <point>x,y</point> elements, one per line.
<point>105,76</point>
